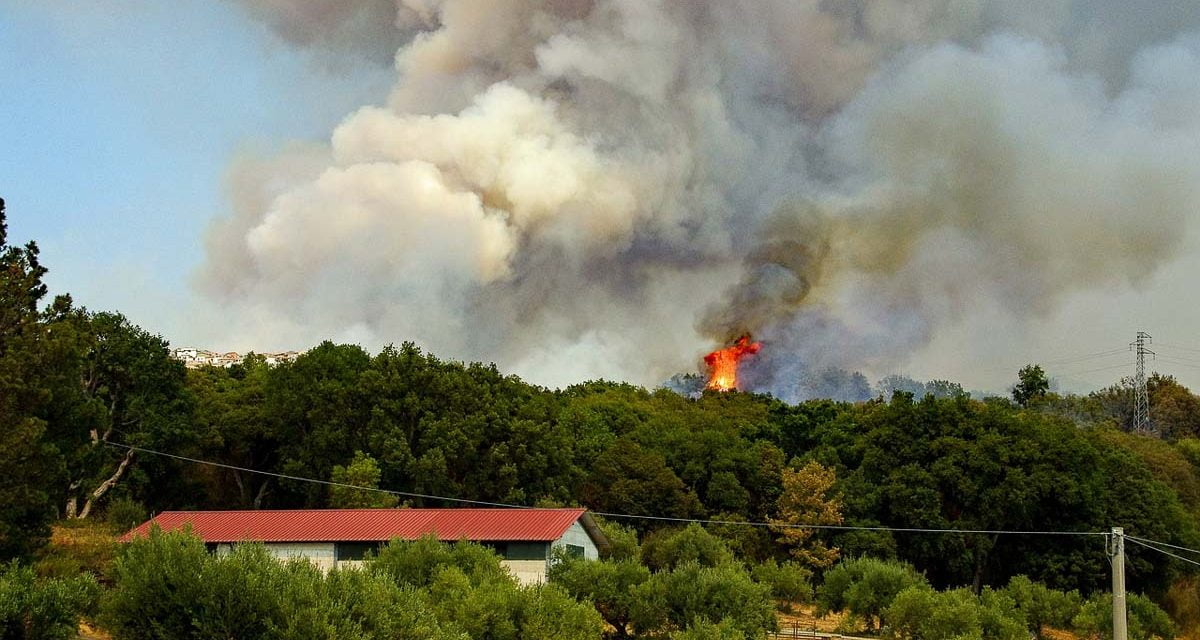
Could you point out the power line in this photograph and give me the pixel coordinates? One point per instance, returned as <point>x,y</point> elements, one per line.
<point>1173,360</point>
<point>1115,366</point>
<point>1165,544</point>
<point>603,513</point>
<point>1090,356</point>
<point>1186,357</point>
<point>1178,346</point>
<point>1162,551</point>
<point>1183,355</point>
<point>839,527</point>
<point>327,483</point>
<point>1065,360</point>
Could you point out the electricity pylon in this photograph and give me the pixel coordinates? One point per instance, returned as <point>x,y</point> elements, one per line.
<point>1141,398</point>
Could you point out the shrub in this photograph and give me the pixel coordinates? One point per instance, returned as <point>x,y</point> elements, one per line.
<point>1042,606</point>
<point>788,581</point>
<point>168,586</point>
<point>669,549</point>
<point>416,563</point>
<point>865,587</point>
<point>724,630</point>
<point>471,592</point>
<point>157,590</point>
<point>920,612</point>
<point>504,610</point>
<point>693,594</point>
<point>42,609</point>
<point>608,584</point>
<point>125,513</point>
<point>354,604</point>
<point>1145,619</point>
<point>622,541</point>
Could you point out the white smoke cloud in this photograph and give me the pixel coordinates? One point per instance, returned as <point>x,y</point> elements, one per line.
<point>581,188</point>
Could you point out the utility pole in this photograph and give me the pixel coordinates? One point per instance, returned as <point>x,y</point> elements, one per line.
<point>1116,552</point>
<point>1141,398</point>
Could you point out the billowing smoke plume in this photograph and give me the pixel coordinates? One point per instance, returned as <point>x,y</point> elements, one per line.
<point>582,188</point>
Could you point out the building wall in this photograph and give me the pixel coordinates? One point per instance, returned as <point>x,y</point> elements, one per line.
<point>526,571</point>
<point>323,554</point>
<point>319,553</point>
<point>578,536</point>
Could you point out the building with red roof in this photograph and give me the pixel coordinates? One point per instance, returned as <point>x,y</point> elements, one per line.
<point>524,538</point>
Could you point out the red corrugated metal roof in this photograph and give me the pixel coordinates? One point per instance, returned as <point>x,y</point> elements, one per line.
<point>333,525</point>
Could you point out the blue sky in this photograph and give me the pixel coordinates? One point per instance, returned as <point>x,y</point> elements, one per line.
<point>118,124</point>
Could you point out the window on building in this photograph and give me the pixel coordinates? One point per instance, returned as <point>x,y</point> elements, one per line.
<point>574,550</point>
<point>356,550</point>
<point>523,550</point>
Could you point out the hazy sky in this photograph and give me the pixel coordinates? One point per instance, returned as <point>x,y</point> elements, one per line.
<point>119,122</point>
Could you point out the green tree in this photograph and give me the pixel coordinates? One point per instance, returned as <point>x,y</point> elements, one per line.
<point>693,595</point>
<point>157,591</point>
<point>1031,383</point>
<point>1042,606</point>
<point>610,585</point>
<point>1145,620</point>
<point>865,587</point>
<point>960,463</point>
<point>627,478</point>
<point>433,427</point>
<point>132,393</point>
<point>43,609</point>
<point>238,423</point>
<point>361,472</point>
<point>666,549</point>
<point>724,630</point>
<point>1166,462</point>
<point>920,613</point>
<point>471,591</point>
<point>505,611</point>
<point>417,563</point>
<point>355,604</point>
<point>622,541</point>
<point>30,467</point>
<point>726,494</point>
<point>169,586</point>
<point>789,581</point>
<point>125,513</point>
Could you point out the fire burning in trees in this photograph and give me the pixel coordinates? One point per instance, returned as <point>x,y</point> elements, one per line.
<point>723,363</point>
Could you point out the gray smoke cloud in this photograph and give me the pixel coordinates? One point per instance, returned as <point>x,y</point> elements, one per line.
<point>586,188</point>
<point>373,29</point>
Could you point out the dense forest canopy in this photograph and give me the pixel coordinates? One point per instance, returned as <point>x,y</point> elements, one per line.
<point>76,384</point>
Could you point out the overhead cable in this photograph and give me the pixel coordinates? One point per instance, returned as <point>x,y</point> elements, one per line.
<point>408,494</point>
<point>1165,544</point>
<point>1162,551</point>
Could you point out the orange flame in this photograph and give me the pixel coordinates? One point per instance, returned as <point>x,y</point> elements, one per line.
<point>723,363</point>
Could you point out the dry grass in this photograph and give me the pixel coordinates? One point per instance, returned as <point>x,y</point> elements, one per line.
<point>805,615</point>
<point>78,547</point>
<point>88,632</point>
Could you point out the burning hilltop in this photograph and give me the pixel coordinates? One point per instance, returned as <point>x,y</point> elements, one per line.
<point>723,364</point>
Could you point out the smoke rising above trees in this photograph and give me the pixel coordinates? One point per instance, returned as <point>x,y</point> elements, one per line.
<point>586,188</point>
